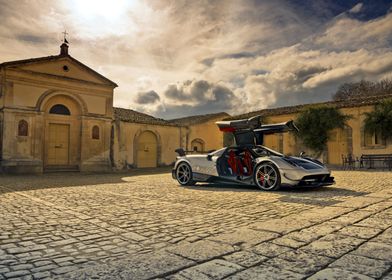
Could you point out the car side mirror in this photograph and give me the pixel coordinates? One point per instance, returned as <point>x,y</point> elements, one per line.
<point>209,157</point>
<point>302,154</point>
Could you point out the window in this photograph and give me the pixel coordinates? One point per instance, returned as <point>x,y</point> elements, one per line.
<point>23,128</point>
<point>374,139</point>
<point>95,132</point>
<point>59,109</point>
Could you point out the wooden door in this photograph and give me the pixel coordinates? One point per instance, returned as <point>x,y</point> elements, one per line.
<point>147,150</point>
<point>337,146</point>
<point>58,144</point>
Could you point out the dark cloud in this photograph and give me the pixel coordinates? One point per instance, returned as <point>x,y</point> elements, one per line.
<point>306,73</point>
<point>197,97</point>
<point>149,97</point>
<point>32,38</point>
<point>238,55</point>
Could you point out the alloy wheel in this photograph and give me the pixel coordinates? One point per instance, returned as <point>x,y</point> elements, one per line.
<point>267,177</point>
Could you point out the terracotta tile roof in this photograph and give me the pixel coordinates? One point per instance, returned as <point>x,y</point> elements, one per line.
<point>199,118</point>
<point>128,115</point>
<point>53,58</point>
<point>354,102</point>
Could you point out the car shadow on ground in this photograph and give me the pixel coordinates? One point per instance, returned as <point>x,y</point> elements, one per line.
<point>328,191</point>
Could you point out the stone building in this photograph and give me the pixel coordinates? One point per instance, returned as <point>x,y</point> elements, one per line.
<point>57,114</point>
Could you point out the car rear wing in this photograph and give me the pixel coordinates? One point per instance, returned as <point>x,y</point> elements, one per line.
<point>235,125</point>
<point>254,124</point>
<point>276,128</point>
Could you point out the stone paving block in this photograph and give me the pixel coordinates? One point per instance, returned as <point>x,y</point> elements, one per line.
<point>333,245</point>
<point>41,275</point>
<point>385,237</point>
<point>265,273</point>
<point>44,268</point>
<point>282,226</point>
<point>139,267</point>
<point>363,265</point>
<point>215,269</point>
<point>63,242</point>
<point>245,258</point>
<point>288,242</point>
<point>269,249</point>
<point>360,232</point>
<point>245,237</point>
<point>64,269</point>
<point>327,213</point>
<point>133,236</point>
<point>338,274</point>
<point>312,233</point>
<point>378,206</point>
<point>89,237</point>
<point>17,273</point>
<point>352,217</point>
<point>375,250</point>
<point>4,269</point>
<point>360,202</point>
<point>301,262</point>
<point>376,222</point>
<point>18,250</point>
<point>201,250</point>
<point>25,277</point>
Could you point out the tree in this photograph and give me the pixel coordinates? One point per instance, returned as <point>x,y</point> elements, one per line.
<point>315,123</point>
<point>363,89</point>
<point>380,120</point>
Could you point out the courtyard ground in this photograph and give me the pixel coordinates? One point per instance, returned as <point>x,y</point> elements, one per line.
<point>143,225</point>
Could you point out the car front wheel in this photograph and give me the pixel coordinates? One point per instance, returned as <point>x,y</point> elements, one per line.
<point>184,174</point>
<point>267,177</point>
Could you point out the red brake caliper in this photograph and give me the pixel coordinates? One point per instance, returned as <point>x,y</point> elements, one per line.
<point>262,179</point>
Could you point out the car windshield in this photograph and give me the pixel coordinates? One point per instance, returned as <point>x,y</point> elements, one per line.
<point>264,151</point>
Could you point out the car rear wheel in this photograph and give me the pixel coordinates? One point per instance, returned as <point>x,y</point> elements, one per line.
<point>184,174</point>
<point>267,176</point>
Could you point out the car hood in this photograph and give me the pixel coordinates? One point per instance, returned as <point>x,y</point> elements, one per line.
<point>306,163</point>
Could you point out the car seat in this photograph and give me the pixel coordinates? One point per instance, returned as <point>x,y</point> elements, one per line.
<point>247,160</point>
<point>232,161</point>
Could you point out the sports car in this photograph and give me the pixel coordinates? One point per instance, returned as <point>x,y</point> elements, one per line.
<point>248,162</point>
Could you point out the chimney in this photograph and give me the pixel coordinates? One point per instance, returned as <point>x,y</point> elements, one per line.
<point>64,49</point>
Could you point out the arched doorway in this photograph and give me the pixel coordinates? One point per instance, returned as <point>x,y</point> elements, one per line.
<point>62,132</point>
<point>197,145</point>
<point>147,150</point>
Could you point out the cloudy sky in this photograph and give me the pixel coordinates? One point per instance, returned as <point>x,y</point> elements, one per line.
<point>179,58</point>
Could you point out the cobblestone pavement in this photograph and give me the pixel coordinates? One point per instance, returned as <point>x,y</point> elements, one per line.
<point>142,225</point>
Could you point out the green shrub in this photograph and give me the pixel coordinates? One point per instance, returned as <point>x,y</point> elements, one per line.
<point>380,119</point>
<point>316,122</point>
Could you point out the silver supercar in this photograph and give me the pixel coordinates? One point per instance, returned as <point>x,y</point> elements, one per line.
<point>249,163</point>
